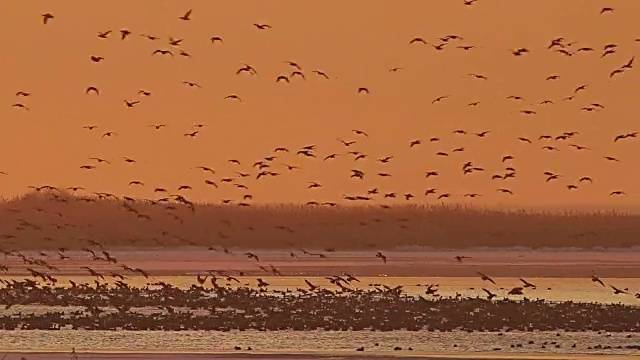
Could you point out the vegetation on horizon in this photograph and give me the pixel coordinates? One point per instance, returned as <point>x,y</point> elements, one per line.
<point>50,220</point>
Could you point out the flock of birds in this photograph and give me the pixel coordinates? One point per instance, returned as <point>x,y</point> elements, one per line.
<point>245,303</point>
<point>274,165</point>
<point>333,303</point>
<point>50,262</point>
<point>281,160</point>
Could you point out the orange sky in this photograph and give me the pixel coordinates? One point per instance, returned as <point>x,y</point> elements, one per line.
<point>355,43</point>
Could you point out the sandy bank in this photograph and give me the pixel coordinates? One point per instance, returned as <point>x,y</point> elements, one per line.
<point>300,356</point>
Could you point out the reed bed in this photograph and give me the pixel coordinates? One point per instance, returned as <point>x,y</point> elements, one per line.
<point>49,220</point>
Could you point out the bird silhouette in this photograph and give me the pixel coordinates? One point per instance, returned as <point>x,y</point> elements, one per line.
<point>186,16</point>
<point>46,17</point>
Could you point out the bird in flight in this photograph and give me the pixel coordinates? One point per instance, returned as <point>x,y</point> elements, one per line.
<point>46,17</point>
<point>233,97</point>
<point>478,76</point>
<point>360,132</point>
<point>247,68</point>
<point>162,52</point>
<point>124,33</point>
<point>627,135</point>
<point>486,278</point>
<point>438,99</point>
<point>596,279</point>
<point>191,84</point>
<point>294,64</point>
<point>262,26</point>
<point>20,106</point>
<point>99,160</point>
<point>186,16</point>
<point>321,73</point>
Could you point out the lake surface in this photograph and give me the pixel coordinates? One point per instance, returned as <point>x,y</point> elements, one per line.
<point>422,342</point>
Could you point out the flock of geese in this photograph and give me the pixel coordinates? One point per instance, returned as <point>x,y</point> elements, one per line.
<point>283,160</point>
<point>96,252</point>
<point>345,306</point>
<point>337,293</point>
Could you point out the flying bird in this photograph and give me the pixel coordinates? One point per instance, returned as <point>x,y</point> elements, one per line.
<point>124,33</point>
<point>46,17</point>
<point>191,84</point>
<point>233,96</point>
<point>485,277</point>
<point>186,16</point>
<point>438,99</point>
<point>417,40</point>
<point>20,106</point>
<point>162,52</point>
<point>321,73</point>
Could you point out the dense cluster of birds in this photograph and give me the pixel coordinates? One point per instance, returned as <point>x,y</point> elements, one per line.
<point>50,263</point>
<point>229,304</point>
<point>285,159</point>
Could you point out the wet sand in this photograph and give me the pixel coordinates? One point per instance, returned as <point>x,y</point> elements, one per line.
<point>301,356</point>
<point>498,263</point>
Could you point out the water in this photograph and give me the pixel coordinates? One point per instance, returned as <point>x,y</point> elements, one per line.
<point>422,342</point>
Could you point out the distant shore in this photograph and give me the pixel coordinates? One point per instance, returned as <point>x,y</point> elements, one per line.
<point>60,220</point>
